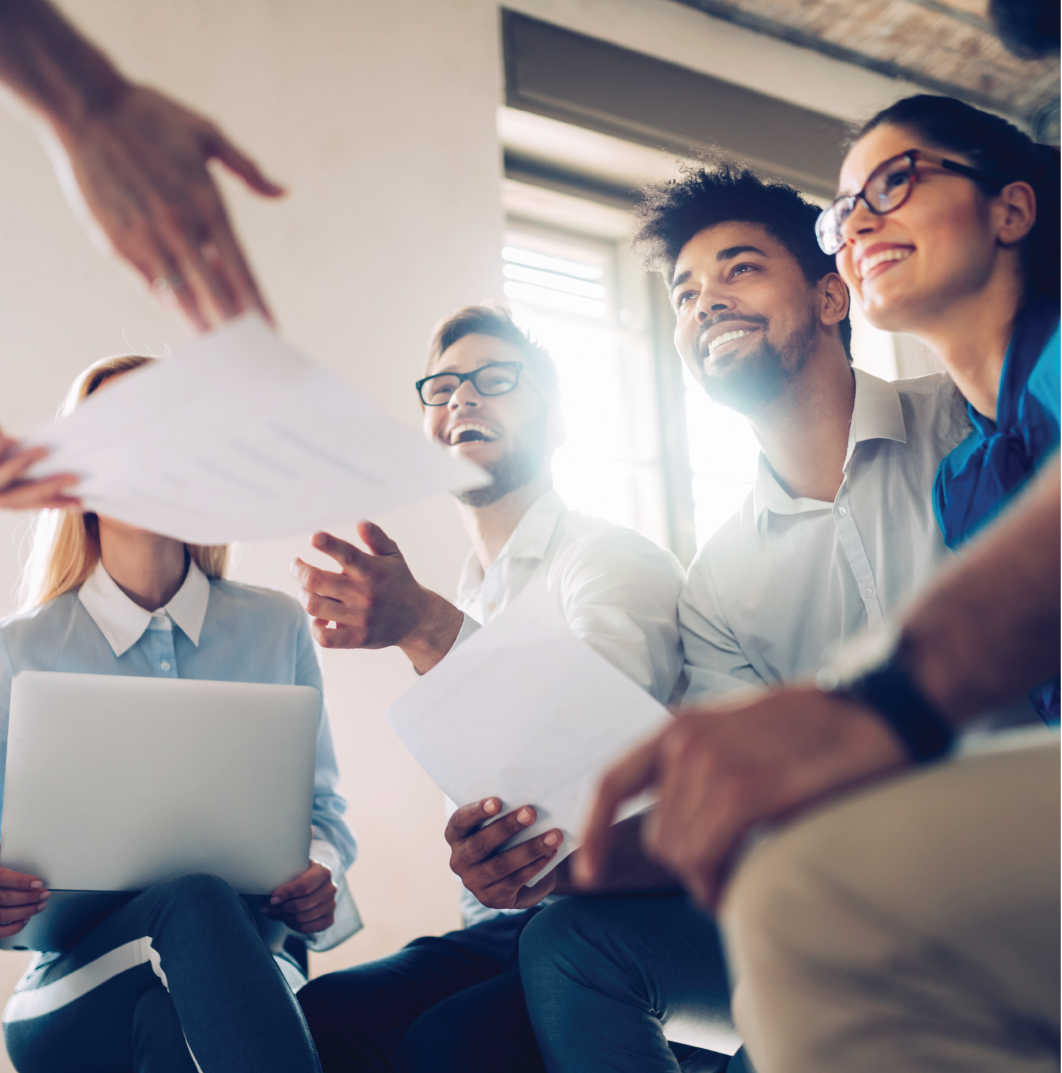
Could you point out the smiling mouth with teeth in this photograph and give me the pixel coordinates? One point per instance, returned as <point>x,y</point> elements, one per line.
<point>469,432</point>
<point>895,254</point>
<point>727,337</point>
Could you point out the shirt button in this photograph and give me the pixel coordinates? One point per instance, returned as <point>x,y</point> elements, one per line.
<point>868,593</point>
<point>842,511</point>
<point>491,606</point>
<point>166,666</point>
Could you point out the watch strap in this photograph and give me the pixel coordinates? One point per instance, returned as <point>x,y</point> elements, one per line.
<point>892,693</point>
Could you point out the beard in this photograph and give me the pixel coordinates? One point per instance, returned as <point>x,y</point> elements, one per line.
<point>750,384</point>
<point>515,469</point>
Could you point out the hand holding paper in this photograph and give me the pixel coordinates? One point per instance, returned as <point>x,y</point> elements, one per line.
<point>239,437</point>
<point>525,712</point>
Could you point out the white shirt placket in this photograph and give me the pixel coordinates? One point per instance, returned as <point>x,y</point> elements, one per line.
<point>856,554</point>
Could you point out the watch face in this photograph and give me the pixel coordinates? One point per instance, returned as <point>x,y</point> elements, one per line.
<point>863,653</point>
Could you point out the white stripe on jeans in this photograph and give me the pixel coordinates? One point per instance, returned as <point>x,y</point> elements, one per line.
<point>37,1001</point>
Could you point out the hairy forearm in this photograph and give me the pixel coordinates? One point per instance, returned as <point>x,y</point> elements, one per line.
<point>438,623</point>
<point>51,67</point>
<point>989,629</point>
<point>627,871</point>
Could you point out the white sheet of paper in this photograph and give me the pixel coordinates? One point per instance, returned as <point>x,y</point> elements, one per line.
<point>240,437</point>
<point>525,711</point>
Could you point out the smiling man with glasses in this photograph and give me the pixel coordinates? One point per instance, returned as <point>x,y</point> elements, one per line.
<point>491,395</point>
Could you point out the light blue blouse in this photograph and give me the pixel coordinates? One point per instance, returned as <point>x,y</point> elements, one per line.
<point>215,630</point>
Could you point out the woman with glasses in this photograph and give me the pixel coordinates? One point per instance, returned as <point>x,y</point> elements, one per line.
<point>948,228</point>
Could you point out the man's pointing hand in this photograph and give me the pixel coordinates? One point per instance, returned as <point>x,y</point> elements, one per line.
<point>375,601</point>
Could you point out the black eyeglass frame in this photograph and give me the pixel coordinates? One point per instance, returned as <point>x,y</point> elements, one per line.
<point>518,366</point>
<point>912,156</point>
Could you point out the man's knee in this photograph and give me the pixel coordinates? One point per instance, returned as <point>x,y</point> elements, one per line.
<point>325,1003</point>
<point>778,905</point>
<point>566,938</point>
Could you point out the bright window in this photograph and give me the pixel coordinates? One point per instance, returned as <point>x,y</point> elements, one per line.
<point>564,288</point>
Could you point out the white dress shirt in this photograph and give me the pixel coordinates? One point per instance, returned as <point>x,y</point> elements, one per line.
<point>616,589</point>
<point>786,580</point>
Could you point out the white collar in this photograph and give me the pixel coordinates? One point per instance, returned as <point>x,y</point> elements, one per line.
<point>877,414</point>
<point>535,530</point>
<point>529,540</point>
<point>123,622</point>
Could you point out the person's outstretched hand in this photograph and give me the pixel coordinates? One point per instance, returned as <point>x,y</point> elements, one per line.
<point>18,493</point>
<point>136,173</point>
<point>375,601</point>
<point>722,770</point>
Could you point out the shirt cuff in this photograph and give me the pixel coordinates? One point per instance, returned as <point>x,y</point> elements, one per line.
<point>323,852</point>
<point>468,627</point>
<point>347,918</point>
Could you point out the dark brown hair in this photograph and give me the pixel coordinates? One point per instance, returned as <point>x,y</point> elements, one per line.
<point>492,318</point>
<point>999,149</point>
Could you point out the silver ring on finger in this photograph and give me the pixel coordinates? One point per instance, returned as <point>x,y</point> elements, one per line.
<point>165,284</point>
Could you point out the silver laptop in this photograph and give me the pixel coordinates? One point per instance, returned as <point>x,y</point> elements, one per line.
<point>116,783</point>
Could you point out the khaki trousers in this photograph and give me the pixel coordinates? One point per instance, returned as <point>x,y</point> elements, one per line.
<point>913,926</point>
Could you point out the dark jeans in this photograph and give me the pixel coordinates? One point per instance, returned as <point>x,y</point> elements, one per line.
<point>443,1004</point>
<point>450,1002</point>
<point>178,971</point>
<point>616,984</point>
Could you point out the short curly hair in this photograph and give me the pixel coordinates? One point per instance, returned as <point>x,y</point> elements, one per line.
<point>717,191</point>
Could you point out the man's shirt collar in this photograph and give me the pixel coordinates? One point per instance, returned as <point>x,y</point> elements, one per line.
<point>876,415</point>
<point>529,540</point>
<point>535,530</point>
<point>123,622</point>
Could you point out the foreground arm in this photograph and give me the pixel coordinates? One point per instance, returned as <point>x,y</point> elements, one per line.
<point>985,633</point>
<point>133,164</point>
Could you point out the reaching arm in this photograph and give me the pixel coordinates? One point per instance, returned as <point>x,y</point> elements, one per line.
<point>983,634</point>
<point>989,629</point>
<point>133,165</point>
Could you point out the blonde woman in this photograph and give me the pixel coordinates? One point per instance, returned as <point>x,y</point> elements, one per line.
<point>178,979</point>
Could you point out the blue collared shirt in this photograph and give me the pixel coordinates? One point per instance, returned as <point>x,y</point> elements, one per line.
<point>212,629</point>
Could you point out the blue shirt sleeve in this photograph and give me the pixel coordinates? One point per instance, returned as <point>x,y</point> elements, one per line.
<point>329,806</point>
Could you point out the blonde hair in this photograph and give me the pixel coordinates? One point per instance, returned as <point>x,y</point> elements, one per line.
<point>65,544</point>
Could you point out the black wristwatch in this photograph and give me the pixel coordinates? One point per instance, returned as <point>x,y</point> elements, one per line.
<point>874,673</point>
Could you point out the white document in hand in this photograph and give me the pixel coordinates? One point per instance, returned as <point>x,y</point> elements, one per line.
<point>239,437</point>
<point>525,711</point>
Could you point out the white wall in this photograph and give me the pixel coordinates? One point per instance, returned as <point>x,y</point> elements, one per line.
<point>380,115</point>
<point>384,128</point>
